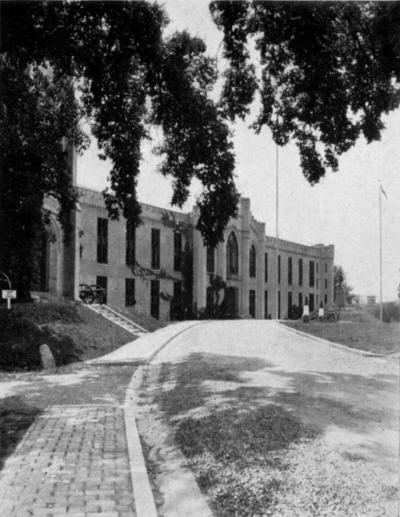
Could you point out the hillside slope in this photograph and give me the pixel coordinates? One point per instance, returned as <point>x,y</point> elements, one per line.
<point>72,331</point>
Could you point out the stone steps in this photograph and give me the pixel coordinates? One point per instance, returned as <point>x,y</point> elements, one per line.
<point>119,319</point>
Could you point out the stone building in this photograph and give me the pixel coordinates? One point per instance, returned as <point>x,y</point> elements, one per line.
<point>148,267</point>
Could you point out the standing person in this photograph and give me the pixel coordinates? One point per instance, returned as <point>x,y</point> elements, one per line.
<point>306,311</point>
<point>321,312</point>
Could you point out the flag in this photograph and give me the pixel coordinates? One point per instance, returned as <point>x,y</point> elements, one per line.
<point>383,190</point>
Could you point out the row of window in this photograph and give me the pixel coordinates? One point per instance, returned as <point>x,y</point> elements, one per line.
<point>130,300</point>
<point>232,255</point>
<point>232,263</point>
<point>130,259</point>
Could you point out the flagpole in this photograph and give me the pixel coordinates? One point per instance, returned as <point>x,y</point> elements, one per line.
<point>380,252</point>
<point>277,225</point>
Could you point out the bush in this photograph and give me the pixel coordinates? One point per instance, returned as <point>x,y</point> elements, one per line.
<point>390,312</point>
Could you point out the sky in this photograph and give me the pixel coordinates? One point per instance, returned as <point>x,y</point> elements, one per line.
<point>343,209</point>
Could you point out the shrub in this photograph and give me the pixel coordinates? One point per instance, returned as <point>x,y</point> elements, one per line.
<point>390,312</point>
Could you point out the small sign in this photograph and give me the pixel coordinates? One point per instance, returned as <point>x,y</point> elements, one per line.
<point>8,294</point>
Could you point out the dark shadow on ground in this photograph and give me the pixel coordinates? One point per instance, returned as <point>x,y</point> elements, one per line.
<point>16,416</point>
<point>238,421</point>
<point>194,370</point>
<point>303,404</point>
<point>77,384</point>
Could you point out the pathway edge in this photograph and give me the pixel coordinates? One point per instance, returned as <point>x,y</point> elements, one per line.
<point>142,492</point>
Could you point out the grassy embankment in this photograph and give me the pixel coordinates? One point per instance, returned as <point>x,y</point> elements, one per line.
<point>72,331</point>
<point>356,328</point>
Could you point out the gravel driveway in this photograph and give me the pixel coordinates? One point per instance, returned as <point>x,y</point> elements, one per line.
<point>350,402</point>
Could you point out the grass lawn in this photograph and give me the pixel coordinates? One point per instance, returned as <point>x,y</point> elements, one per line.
<point>355,329</point>
<point>259,450</point>
<point>73,332</point>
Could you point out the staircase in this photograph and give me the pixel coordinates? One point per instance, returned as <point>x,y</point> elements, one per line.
<point>118,319</point>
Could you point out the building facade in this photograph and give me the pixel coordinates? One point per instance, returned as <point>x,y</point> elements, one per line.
<point>148,267</point>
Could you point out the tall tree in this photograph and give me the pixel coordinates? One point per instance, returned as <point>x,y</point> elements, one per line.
<point>340,284</point>
<point>328,71</point>
<point>110,63</point>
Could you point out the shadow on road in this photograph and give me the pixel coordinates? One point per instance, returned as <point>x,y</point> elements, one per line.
<point>253,433</point>
<point>220,402</point>
<point>16,417</point>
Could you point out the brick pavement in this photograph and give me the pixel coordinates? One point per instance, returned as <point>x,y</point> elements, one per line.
<point>72,462</point>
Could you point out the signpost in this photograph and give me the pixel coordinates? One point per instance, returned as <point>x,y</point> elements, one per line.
<point>8,294</point>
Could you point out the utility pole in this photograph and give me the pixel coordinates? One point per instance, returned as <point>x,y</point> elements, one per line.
<point>380,189</point>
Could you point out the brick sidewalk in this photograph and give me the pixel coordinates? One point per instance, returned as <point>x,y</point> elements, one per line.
<point>72,462</point>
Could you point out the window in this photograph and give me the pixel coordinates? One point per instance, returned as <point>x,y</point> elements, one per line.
<point>266,304</point>
<point>252,303</point>
<point>290,269</point>
<point>326,299</point>
<point>300,271</point>
<point>210,260</point>
<point>289,304</point>
<point>326,268</point>
<point>155,248</point>
<point>266,267</point>
<point>102,240</point>
<point>300,300</point>
<point>177,251</point>
<point>155,299</point>
<point>129,292</point>
<point>232,255</point>
<point>311,297</point>
<point>101,281</point>
<point>317,267</point>
<point>176,312</point>
<point>252,262</point>
<point>317,283</point>
<point>130,244</point>
<point>279,269</point>
<point>317,301</point>
<point>279,305</point>
<point>326,283</point>
<point>311,274</point>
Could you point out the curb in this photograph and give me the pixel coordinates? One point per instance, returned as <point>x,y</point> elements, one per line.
<point>339,346</point>
<point>163,345</point>
<point>143,495</point>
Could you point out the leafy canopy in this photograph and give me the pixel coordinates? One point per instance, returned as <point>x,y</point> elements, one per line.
<point>329,70</point>
<point>108,63</point>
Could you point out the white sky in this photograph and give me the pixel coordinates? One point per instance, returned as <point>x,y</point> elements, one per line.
<point>341,210</point>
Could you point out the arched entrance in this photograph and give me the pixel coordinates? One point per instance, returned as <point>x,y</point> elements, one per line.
<point>48,271</point>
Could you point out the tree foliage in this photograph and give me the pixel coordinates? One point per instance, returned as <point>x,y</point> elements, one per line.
<point>340,284</point>
<point>111,64</point>
<point>329,71</point>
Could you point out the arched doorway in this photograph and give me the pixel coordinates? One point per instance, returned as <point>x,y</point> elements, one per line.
<point>48,271</point>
